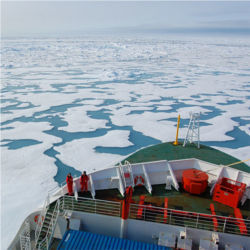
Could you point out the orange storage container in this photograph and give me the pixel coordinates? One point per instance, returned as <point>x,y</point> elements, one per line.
<point>229,192</point>
<point>194,181</point>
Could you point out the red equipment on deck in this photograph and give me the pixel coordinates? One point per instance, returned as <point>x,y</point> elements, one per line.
<point>166,211</point>
<point>140,209</point>
<point>229,192</point>
<point>215,221</point>
<point>194,181</point>
<point>126,202</point>
<point>240,221</point>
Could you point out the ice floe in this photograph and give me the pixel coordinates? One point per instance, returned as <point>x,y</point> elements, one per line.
<point>27,176</point>
<point>81,155</point>
<point>114,86</point>
<point>79,121</point>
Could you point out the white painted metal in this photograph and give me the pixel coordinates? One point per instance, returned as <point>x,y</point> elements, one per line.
<point>156,173</point>
<point>92,186</point>
<point>123,229</point>
<point>193,220</point>
<point>61,226</point>
<point>175,183</point>
<point>234,246</point>
<point>75,190</point>
<point>169,182</point>
<point>25,243</point>
<point>218,178</point>
<point>193,133</point>
<point>245,196</point>
<point>146,179</point>
<point>131,173</point>
<point>143,231</point>
<point>127,174</point>
<point>120,184</point>
<point>45,243</point>
<point>184,244</point>
<point>41,217</point>
<point>167,239</point>
<point>206,244</point>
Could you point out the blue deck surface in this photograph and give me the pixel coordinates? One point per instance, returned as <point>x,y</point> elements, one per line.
<point>84,240</point>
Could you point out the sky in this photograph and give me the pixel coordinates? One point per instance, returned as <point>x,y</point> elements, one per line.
<point>55,17</point>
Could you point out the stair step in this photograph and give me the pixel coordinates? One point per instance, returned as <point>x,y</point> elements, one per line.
<point>46,230</point>
<point>48,218</point>
<point>46,221</point>
<point>46,224</point>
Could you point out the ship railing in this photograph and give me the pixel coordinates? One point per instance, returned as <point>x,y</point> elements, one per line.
<point>122,174</point>
<point>41,218</point>
<point>25,242</point>
<point>51,192</point>
<point>59,189</point>
<point>124,170</point>
<point>131,172</point>
<point>88,205</point>
<point>45,243</point>
<point>190,219</point>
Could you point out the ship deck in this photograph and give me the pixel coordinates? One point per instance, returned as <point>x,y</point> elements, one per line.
<point>179,200</point>
<point>176,200</point>
<point>154,205</point>
<point>167,151</point>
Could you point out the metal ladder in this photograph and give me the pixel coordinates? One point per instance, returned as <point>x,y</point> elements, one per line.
<point>46,234</point>
<point>127,174</point>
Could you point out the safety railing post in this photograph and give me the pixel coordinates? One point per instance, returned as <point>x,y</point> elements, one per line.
<point>47,244</point>
<point>224,226</point>
<point>197,221</point>
<point>170,216</point>
<point>95,206</point>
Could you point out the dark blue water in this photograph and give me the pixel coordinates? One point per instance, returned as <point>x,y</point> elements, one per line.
<point>16,144</point>
<point>239,139</point>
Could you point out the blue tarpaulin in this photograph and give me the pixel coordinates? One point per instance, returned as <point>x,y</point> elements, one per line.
<point>84,240</point>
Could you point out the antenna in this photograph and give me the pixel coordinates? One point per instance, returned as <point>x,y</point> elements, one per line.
<point>193,133</point>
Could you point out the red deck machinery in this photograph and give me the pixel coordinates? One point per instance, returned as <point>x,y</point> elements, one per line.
<point>229,192</point>
<point>194,181</point>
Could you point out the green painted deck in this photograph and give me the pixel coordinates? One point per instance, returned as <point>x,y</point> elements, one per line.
<point>182,200</point>
<point>167,151</point>
<point>176,200</point>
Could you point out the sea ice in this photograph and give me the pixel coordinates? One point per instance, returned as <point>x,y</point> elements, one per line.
<point>240,153</point>
<point>79,121</point>
<point>81,155</point>
<point>25,181</point>
<point>142,83</point>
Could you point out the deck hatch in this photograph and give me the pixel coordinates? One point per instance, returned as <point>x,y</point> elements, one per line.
<point>87,240</point>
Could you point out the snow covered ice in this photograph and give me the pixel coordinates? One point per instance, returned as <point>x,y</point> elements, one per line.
<point>62,99</point>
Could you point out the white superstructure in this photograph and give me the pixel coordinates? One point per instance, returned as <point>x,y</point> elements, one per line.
<point>87,213</point>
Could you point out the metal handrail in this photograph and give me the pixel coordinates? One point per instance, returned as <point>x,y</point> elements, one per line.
<point>25,243</point>
<point>46,241</point>
<point>190,219</point>
<point>131,173</point>
<point>40,219</point>
<point>147,213</point>
<point>92,205</point>
<point>122,174</point>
